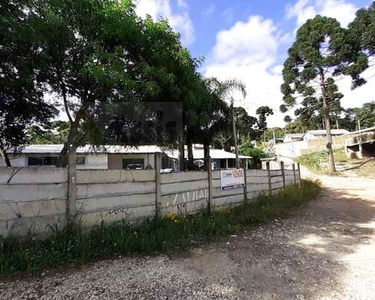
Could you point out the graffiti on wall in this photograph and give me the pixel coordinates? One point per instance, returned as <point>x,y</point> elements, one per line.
<point>193,199</point>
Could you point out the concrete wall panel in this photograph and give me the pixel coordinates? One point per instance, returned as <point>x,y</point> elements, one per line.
<point>103,176</point>
<point>33,175</point>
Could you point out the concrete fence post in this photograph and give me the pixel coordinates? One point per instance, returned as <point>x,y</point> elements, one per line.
<point>245,181</point>
<point>299,174</point>
<point>294,174</point>
<point>283,173</point>
<point>157,183</point>
<point>269,177</point>
<point>72,185</point>
<point>210,193</point>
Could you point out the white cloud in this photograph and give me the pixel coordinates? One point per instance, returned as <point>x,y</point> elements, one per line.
<point>246,42</point>
<point>361,95</point>
<point>249,51</point>
<point>180,22</point>
<point>303,10</point>
<point>182,3</point>
<point>246,52</point>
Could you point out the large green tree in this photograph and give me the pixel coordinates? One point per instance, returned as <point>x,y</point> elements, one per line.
<point>263,112</point>
<point>362,29</point>
<point>22,88</point>
<point>103,60</point>
<point>322,50</point>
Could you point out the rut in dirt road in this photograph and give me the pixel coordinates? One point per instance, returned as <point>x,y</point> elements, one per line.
<point>325,250</point>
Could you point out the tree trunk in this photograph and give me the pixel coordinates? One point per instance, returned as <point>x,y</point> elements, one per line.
<point>189,143</point>
<point>235,139</point>
<point>206,155</point>
<point>331,161</point>
<point>5,156</point>
<point>63,160</point>
<point>181,146</point>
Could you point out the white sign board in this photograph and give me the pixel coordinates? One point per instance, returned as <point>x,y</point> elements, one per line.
<point>232,179</point>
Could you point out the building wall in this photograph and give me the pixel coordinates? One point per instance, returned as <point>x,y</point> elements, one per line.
<point>93,161</point>
<point>15,160</point>
<point>115,160</point>
<point>295,149</point>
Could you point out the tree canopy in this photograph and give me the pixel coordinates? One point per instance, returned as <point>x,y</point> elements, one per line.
<point>111,73</point>
<point>322,50</point>
<point>22,76</point>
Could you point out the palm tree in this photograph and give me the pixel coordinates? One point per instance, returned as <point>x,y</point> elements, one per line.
<point>220,113</point>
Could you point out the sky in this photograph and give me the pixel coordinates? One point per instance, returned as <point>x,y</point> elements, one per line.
<point>248,40</point>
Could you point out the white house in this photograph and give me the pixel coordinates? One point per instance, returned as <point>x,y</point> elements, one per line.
<point>221,159</point>
<point>90,157</point>
<point>116,157</point>
<point>322,134</point>
<point>293,137</point>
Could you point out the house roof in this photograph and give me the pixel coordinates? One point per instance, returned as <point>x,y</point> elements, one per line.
<point>217,154</point>
<point>333,131</point>
<point>294,135</point>
<point>115,149</point>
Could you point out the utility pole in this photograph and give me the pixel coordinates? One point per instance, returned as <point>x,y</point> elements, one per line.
<point>360,139</point>
<point>235,135</point>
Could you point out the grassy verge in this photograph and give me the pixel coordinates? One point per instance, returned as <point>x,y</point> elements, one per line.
<point>169,233</point>
<point>314,159</point>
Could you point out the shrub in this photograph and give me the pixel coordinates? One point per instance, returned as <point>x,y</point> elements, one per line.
<point>314,159</point>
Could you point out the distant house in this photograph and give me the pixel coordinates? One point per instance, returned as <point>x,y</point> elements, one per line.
<point>117,157</point>
<point>272,142</point>
<point>322,134</point>
<point>293,137</point>
<point>221,159</point>
<point>101,157</point>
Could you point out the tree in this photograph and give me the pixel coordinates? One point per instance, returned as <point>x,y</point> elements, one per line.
<point>218,112</point>
<point>362,30</point>
<point>366,115</point>
<point>322,50</point>
<point>263,112</point>
<point>104,61</point>
<point>248,149</point>
<point>21,79</point>
<point>55,132</point>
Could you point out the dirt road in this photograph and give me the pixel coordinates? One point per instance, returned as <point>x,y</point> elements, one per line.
<point>323,251</point>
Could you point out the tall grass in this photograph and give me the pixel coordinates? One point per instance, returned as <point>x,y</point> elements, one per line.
<point>169,233</point>
<point>314,159</point>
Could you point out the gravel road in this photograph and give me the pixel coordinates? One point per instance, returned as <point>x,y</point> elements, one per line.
<point>325,250</point>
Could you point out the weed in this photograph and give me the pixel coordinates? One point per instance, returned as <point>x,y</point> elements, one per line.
<point>314,160</point>
<point>172,232</point>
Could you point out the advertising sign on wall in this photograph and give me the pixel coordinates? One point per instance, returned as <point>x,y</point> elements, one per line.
<point>232,179</point>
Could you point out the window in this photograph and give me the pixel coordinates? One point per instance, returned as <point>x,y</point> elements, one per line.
<point>133,163</point>
<point>42,161</point>
<point>81,160</point>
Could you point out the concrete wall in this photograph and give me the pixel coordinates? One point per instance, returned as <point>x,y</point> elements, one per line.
<point>35,200</point>
<point>32,200</point>
<point>295,149</point>
<point>184,192</point>
<point>113,195</point>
